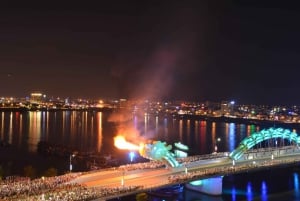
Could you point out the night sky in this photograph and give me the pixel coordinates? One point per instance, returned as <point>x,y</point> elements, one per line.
<point>247,51</point>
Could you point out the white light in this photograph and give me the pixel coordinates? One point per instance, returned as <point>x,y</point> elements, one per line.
<point>131,156</point>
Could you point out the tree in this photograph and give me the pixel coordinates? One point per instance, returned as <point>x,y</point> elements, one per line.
<point>1,172</point>
<point>50,172</point>
<point>29,171</point>
<point>141,197</point>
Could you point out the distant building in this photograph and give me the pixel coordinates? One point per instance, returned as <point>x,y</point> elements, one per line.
<point>227,107</point>
<point>212,106</point>
<point>36,98</point>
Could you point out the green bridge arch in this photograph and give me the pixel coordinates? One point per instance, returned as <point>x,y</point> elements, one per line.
<point>263,135</point>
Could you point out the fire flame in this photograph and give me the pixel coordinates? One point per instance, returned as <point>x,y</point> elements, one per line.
<point>121,143</point>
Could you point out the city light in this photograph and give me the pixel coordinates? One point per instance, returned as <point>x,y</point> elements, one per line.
<point>131,156</point>
<point>70,161</point>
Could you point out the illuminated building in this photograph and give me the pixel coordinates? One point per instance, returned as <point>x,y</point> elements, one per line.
<point>36,97</point>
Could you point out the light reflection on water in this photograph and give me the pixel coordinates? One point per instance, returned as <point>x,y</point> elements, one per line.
<point>249,191</point>
<point>233,192</point>
<point>231,137</point>
<point>296,185</point>
<point>264,191</point>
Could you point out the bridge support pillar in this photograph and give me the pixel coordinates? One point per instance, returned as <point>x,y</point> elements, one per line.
<point>210,186</point>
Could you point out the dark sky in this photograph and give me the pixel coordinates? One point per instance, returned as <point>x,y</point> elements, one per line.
<point>203,50</point>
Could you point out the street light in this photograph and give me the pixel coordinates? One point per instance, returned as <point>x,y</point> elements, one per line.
<point>71,156</point>
<point>131,156</point>
<point>123,179</point>
<point>216,144</point>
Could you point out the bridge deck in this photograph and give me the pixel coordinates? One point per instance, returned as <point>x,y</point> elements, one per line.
<point>135,178</point>
<point>124,182</point>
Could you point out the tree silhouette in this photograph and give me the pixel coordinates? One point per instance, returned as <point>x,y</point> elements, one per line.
<point>50,172</point>
<point>29,171</point>
<point>1,172</point>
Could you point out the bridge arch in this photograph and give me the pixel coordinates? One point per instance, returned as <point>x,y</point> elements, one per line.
<point>263,135</point>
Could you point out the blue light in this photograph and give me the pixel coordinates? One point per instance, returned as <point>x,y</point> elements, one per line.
<point>249,191</point>
<point>231,136</point>
<point>264,191</point>
<point>296,183</point>
<point>131,156</point>
<point>197,183</point>
<point>233,194</point>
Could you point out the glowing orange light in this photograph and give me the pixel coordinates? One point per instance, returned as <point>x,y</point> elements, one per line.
<point>121,143</point>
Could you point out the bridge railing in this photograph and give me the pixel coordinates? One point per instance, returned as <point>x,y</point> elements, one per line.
<point>263,152</point>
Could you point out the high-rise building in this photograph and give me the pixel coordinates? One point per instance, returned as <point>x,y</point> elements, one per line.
<point>36,97</point>
<point>227,107</point>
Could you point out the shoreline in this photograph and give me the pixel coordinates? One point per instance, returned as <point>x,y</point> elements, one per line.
<point>239,120</point>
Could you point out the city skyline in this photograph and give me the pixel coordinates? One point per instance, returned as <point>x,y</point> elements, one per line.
<point>243,51</point>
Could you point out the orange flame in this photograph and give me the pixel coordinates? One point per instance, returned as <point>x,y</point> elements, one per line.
<point>121,143</point>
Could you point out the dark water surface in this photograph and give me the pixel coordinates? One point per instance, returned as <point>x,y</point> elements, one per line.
<point>93,132</point>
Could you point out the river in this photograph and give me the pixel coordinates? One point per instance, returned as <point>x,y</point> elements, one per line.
<point>93,132</point>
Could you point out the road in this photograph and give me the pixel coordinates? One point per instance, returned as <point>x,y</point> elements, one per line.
<point>148,178</point>
<point>154,178</point>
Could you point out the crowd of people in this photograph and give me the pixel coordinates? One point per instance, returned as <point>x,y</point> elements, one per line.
<point>15,187</point>
<point>61,187</point>
<point>142,166</point>
<point>77,192</point>
<point>55,188</point>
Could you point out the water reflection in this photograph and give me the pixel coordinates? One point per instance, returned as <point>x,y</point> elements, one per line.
<point>190,195</point>
<point>180,130</point>
<point>156,125</point>
<point>34,133</point>
<point>233,194</point>
<point>166,130</point>
<point>213,136</point>
<point>264,191</point>
<point>250,129</point>
<point>99,140</point>
<point>2,126</point>
<point>249,193</point>
<point>81,129</point>
<point>20,128</point>
<point>188,131</point>
<point>232,136</point>
<point>44,125</point>
<point>203,142</point>
<point>296,184</point>
<point>10,128</point>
